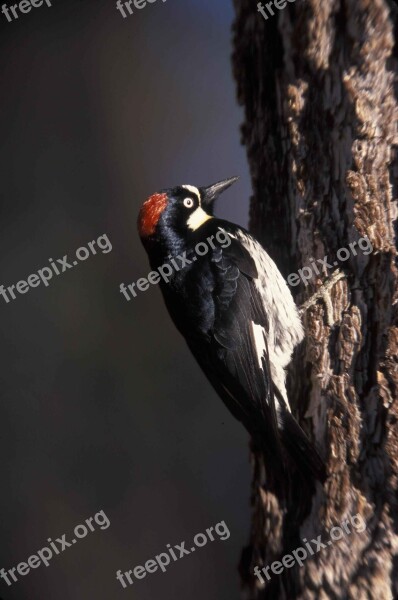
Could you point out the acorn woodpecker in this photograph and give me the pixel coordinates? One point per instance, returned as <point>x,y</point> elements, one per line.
<point>236,313</point>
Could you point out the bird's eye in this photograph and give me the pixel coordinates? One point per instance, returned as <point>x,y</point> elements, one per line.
<point>188,203</point>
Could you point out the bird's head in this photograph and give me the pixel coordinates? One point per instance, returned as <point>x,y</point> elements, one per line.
<point>178,210</point>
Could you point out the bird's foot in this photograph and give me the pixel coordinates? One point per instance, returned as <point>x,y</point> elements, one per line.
<point>324,294</point>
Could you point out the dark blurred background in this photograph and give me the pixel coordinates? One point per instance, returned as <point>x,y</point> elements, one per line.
<point>102,406</point>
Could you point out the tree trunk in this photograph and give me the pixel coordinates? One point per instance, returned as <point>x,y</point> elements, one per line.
<point>317,84</point>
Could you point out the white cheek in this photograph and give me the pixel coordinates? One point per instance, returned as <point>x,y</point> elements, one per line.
<point>197,218</point>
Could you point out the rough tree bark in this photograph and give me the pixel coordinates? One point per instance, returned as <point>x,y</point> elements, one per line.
<point>318,84</point>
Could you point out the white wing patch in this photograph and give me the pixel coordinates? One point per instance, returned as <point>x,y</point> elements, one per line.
<point>258,334</point>
<point>285,327</point>
<point>193,190</point>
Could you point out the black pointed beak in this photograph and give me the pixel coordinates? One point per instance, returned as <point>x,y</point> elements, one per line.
<point>211,193</point>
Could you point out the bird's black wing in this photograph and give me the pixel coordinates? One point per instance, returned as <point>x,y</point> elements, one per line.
<point>233,353</point>
<point>236,360</point>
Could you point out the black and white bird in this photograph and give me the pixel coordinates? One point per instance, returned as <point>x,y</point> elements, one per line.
<point>236,313</point>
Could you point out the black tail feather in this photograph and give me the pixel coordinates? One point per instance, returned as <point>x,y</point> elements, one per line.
<point>300,449</point>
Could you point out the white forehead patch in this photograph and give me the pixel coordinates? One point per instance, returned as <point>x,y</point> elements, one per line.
<point>193,190</point>
<point>197,218</point>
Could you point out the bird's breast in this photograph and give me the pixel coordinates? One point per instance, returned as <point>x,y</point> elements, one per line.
<point>190,302</point>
